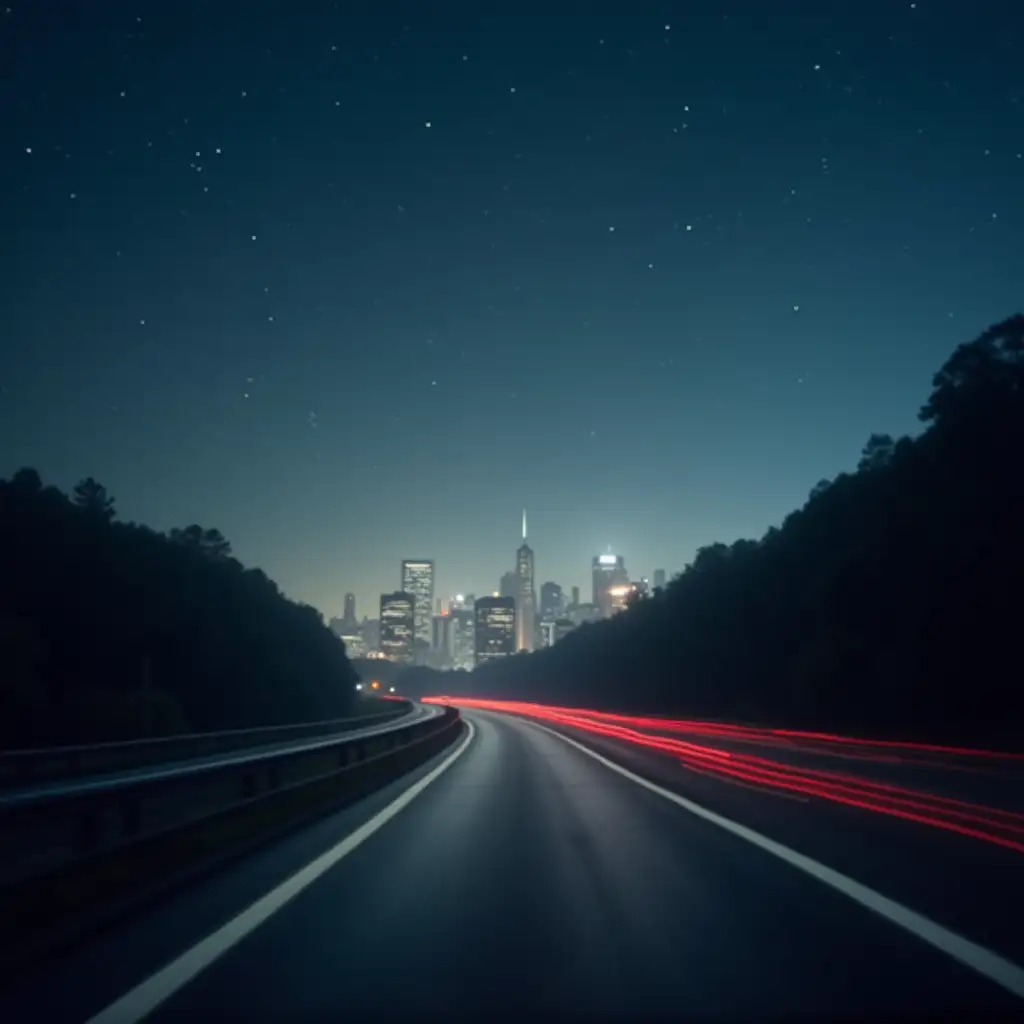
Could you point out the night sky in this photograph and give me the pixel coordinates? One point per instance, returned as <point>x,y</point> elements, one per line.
<point>355,282</point>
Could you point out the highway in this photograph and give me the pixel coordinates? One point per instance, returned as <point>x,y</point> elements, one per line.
<point>518,875</point>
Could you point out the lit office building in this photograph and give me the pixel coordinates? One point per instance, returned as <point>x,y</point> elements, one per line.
<point>619,596</point>
<point>463,641</point>
<point>608,571</point>
<point>397,625</point>
<point>495,628</point>
<point>418,580</point>
<point>352,638</point>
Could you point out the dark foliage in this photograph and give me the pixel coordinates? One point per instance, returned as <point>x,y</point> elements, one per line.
<point>891,602</point>
<point>114,631</point>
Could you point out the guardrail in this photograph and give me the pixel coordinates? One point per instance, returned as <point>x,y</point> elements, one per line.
<point>54,764</point>
<point>72,859</point>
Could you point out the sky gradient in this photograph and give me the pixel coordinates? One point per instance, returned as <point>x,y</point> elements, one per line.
<point>358,283</point>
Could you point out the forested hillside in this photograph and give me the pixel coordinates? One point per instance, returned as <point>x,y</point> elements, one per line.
<point>111,630</point>
<point>892,601</point>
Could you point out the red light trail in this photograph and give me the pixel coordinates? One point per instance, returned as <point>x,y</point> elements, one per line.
<point>702,753</point>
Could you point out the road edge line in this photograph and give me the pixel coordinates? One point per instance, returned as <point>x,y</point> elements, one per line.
<point>1005,973</point>
<point>141,1000</point>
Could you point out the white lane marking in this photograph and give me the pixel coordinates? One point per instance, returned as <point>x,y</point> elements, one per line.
<point>142,1000</point>
<point>994,967</point>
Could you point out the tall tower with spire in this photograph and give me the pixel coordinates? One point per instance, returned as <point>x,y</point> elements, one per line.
<point>526,596</point>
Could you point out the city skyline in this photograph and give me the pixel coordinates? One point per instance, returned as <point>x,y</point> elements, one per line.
<point>445,595</point>
<point>537,614</point>
<point>444,592</point>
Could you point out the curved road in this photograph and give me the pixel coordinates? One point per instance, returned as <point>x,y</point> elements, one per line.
<point>526,878</point>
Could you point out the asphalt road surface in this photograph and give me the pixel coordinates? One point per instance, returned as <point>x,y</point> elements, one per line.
<point>521,877</point>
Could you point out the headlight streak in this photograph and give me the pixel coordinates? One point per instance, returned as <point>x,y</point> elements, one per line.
<point>995,825</point>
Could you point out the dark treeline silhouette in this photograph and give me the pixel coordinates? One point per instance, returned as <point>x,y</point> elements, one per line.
<point>892,602</point>
<point>113,631</point>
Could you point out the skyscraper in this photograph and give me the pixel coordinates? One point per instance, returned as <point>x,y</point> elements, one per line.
<point>349,614</point>
<point>608,571</point>
<point>495,632</point>
<point>550,602</point>
<point>463,640</point>
<point>418,580</point>
<point>397,625</point>
<point>526,598</point>
<point>443,645</point>
<point>659,578</point>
